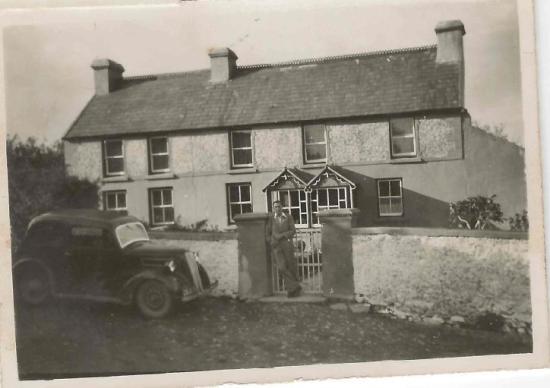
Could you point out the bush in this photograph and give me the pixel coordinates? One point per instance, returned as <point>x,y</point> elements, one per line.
<point>475,213</point>
<point>520,222</point>
<point>37,183</point>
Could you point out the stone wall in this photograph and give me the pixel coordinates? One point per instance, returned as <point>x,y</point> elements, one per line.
<point>217,253</point>
<point>443,277</point>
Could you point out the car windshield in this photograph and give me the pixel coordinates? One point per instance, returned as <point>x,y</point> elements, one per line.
<point>131,232</point>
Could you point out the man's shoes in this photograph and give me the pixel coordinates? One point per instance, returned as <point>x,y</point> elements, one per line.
<point>295,293</point>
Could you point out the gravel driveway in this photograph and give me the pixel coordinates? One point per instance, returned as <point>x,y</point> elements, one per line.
<point>69,339</point>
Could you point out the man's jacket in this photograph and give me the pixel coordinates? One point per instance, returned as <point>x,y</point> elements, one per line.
<point>280,229</point>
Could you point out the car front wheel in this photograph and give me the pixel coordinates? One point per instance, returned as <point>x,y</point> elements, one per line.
<point>32,285</point>
<point>153,299</point>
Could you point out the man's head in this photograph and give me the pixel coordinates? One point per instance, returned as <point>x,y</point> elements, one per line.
<point>277,207</point>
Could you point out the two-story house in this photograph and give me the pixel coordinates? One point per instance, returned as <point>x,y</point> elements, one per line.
<point>385,132</point>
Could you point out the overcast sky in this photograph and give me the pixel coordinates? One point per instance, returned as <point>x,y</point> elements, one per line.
<point>49,79</point>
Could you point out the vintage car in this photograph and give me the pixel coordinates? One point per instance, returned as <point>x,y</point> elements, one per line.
<point>104,256</point>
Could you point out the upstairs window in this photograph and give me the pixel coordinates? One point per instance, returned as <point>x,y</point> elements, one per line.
<point>239,200</point>
<point>315,143</point>
<point>390,197</point>
<point>114,200</point>
<point>162,206</point>
<point>403,137</point>
<point>113,152</point>
<point>158,154</point>
<point>241,149</point>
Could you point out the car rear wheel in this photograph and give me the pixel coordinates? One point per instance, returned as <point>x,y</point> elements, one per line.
<point>32,285</point>
<point>154,299</point>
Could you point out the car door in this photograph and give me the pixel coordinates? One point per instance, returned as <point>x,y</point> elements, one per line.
<point>83,260</point>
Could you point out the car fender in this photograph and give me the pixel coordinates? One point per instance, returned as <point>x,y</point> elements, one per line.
<point>29,261</point>
<point>171,282</point>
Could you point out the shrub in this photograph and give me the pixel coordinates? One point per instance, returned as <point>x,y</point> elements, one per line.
<point>475,213</point>
<point>37,182</point>
<point>519,222</point>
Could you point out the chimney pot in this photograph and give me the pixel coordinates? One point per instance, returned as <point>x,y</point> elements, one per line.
<point>107,75</point>
<point>223,64</point>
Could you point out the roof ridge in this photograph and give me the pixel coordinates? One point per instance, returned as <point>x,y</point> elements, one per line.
<point>162,75</point>
<point>337,57</point>
<point>293,62</point>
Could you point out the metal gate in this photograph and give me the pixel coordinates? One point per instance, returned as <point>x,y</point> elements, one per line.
<point>307,251</point>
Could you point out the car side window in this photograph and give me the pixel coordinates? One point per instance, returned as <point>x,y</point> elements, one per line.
<point>47,234</point>
<point>86,237</point>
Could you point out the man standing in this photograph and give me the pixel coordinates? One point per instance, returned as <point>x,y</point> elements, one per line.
<point>280,230</point>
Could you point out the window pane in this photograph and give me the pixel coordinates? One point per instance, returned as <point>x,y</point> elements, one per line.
<point>235,209</point>
<point>322,197</point>
<point>302,195</point>
<point>159,145</point>
<point>395,188</point>
<point>316,151</point>
<point>111,200</point>
<point>401,127</point>
<point>157,215</point>
<point>284,198</point>
<point>168,214</point>
<point>294,198</point>
<point>246,208</point>
<point>234,193</point>
<point>333,196</point>
<point>241,157</point>
<point>342,204</point>
<point>295,215</point>
<point>384,188</point>
<point>385,206</point>
<point>313,207</point>
<point>160,162</point>
<point>245,193</point>
<point>303,207</point>
<point>403,145</point>
<point>113,148</point>
<point>304,219</point>
<point>314,133</point>
<point>396,205</point>
<point>157,200</point>
<point>121,200</point>
<point>115,165</point>
<point>167,196</point>
<point>241,139</point>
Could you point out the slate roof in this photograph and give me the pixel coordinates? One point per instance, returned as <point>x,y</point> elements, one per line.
<point>379,83</point>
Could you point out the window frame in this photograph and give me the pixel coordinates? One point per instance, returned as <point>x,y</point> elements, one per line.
<point>228,186</point>
<point>390,196</point>
<point>276,195</point>
<point>414,137</point>
<point>346,198</point>
<point>152,170</point>
<point>232,148</point>
<point>106,171</point>
<point>305,144</point>
<point>116,193</point>
<point>162,206</point>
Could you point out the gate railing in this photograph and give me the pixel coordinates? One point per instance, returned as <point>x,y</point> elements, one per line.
<point>307,251</point>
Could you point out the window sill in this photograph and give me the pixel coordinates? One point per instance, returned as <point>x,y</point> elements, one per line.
<point>116,178</point>
<point>163,175</point>
<point>243,170</point>
<point>405,160</point>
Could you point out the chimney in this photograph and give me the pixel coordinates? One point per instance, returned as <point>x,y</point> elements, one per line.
<point>223,64</point>
<point>107,75</point>
<point>450,48</point>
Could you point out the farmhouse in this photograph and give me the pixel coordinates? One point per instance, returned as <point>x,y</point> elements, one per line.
<point>385,132</point>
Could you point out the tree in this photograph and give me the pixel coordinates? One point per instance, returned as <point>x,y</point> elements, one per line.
<point>37,183</point>
<point>519,222</point>
<point>475,213</point>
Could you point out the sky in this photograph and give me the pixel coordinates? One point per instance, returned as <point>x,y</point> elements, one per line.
<point>48,79</point>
